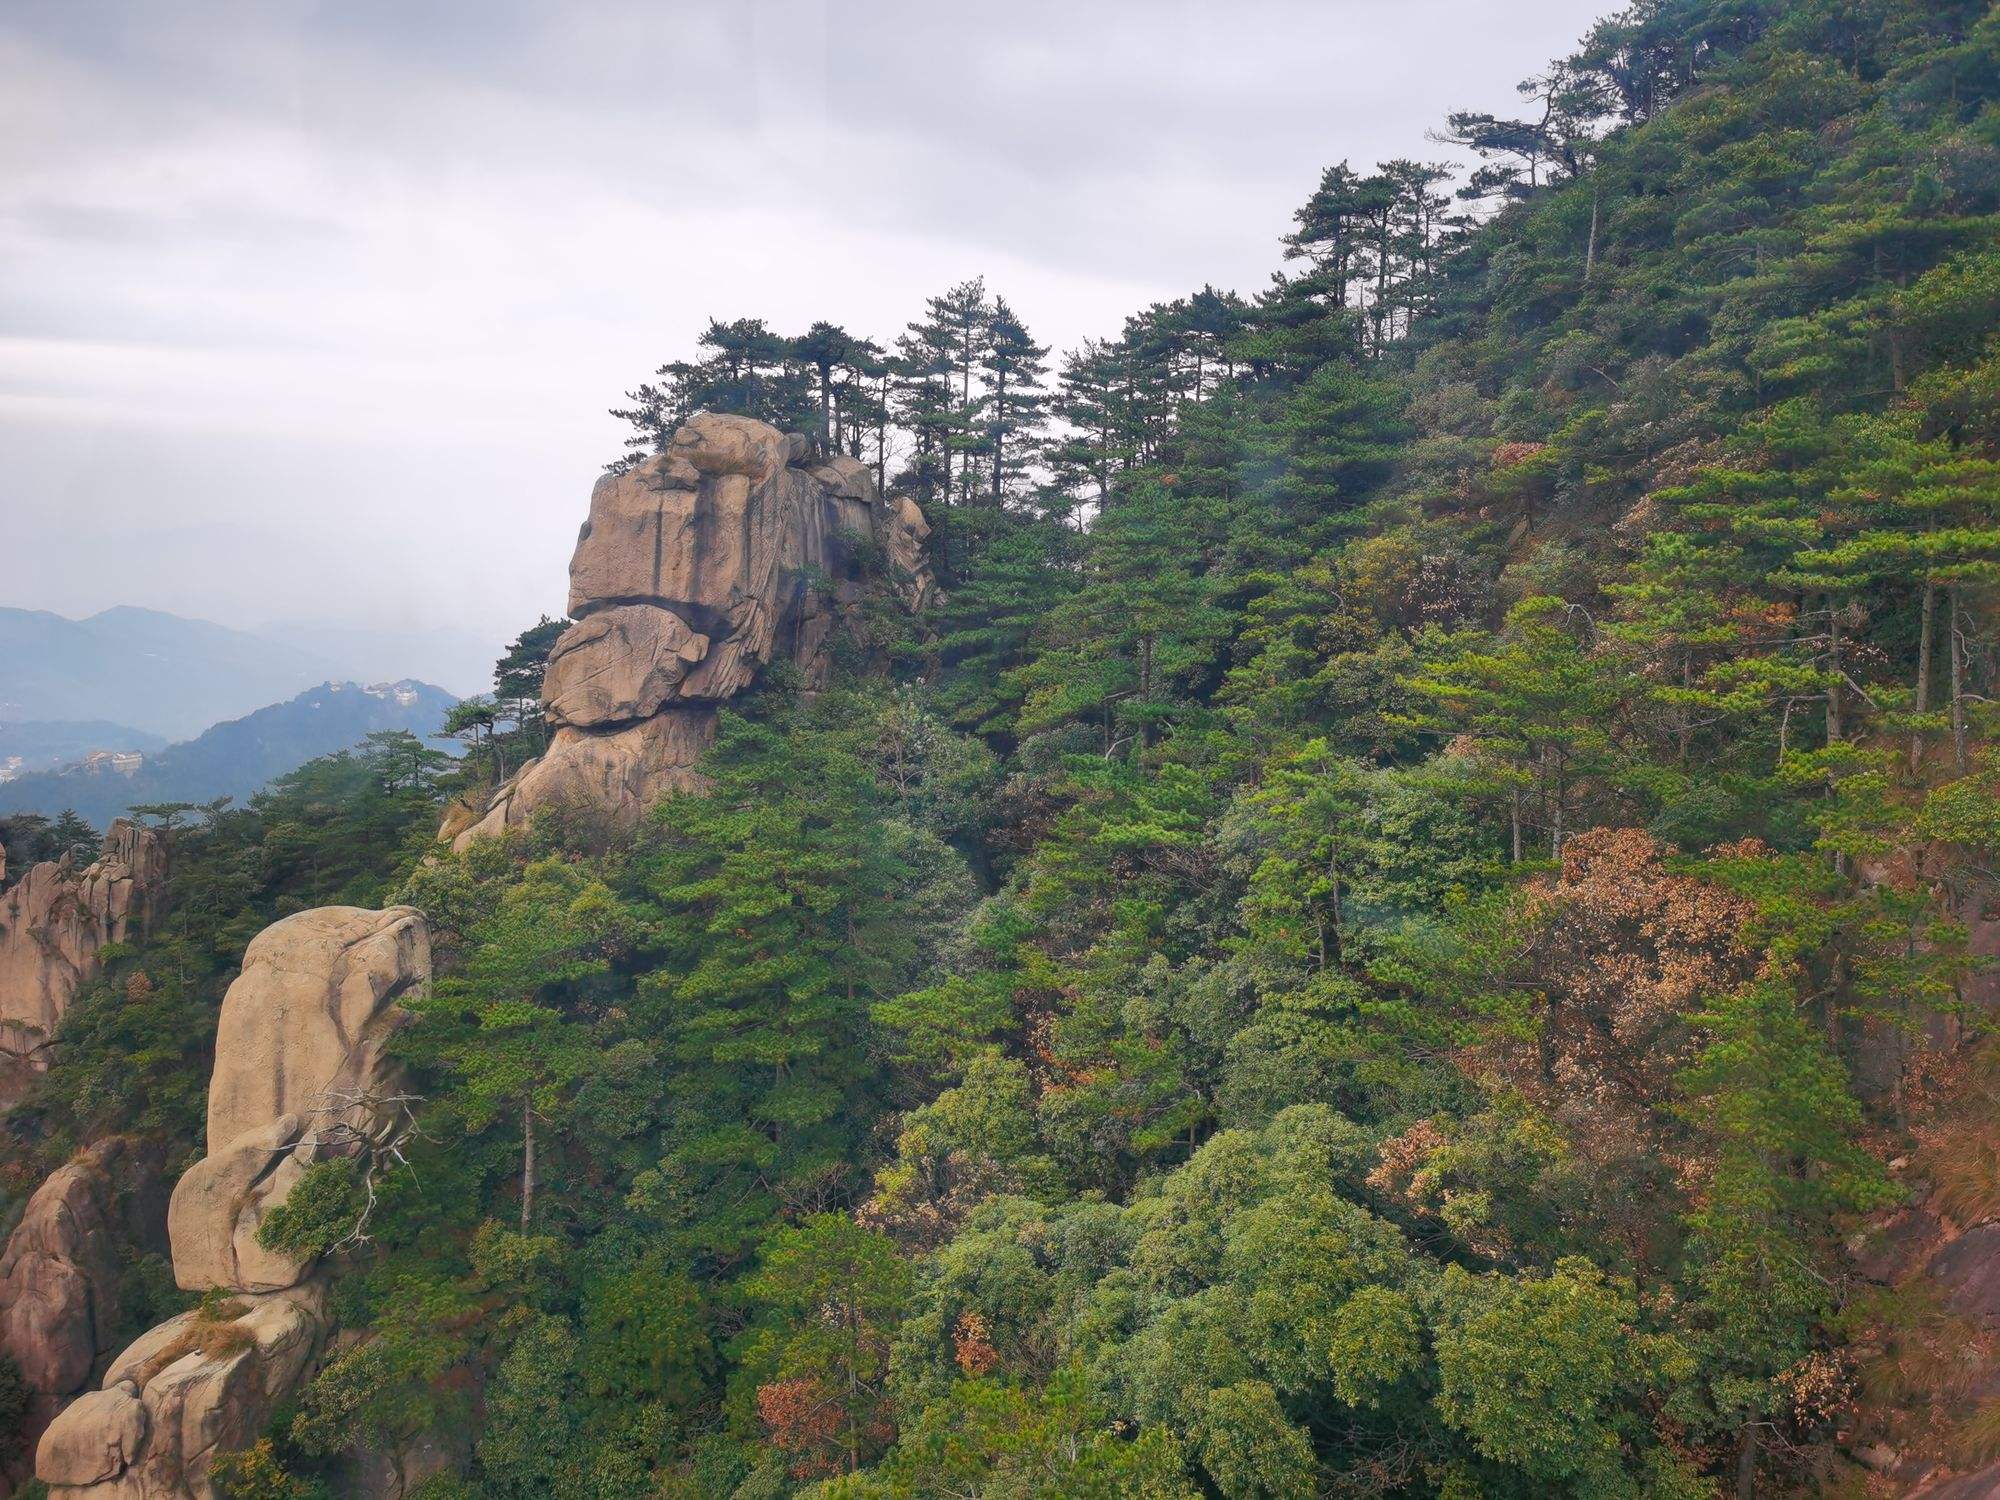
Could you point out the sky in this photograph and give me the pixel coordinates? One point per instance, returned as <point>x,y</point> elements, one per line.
<point>311,313</point>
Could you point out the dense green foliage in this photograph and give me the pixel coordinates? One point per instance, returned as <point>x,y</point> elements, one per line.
<point>1379,945</point>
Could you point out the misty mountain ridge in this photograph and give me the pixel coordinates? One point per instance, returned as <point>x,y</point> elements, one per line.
<point>161,673</point>
<point>234,758</point>
<point>31,745</point>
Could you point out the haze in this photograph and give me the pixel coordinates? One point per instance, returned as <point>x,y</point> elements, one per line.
<point>311,313</point>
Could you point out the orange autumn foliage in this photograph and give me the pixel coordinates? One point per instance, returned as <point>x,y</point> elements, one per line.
<point>972,1344</point>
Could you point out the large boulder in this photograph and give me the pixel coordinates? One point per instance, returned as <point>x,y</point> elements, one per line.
<point>200,1384</point>
<point>1983,1485</point>
<point>619,666</point>
<point>61,1269</point>
<point>1965,1270</point>
<point>694,527</point>
<point>732,548</point>
<point>53,921</point>
<point>299,1071</point>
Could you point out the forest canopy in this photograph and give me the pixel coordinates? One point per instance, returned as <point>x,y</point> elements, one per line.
<point>1399,930</point>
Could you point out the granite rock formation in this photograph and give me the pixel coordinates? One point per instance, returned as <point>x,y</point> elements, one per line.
<point>54,919</point>
<point>62,1267</point>
<point>732,549</point>
<point>202,1383</point>
<point>300,1073</point>
<point>298,1059</point>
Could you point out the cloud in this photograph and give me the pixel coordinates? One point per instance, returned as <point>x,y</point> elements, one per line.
<point>344,289</point>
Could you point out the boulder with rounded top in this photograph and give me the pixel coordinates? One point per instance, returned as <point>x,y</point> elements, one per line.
<point>199,1384</point>
<point>299,1069</point>
<point>63,1267</point>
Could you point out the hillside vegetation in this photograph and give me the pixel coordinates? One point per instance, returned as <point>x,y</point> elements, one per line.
<point>1414,904</point>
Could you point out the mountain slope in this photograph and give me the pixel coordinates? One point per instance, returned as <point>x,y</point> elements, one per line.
<point>1438,945</point>
<point>235,758</point>
<point>155,671</point>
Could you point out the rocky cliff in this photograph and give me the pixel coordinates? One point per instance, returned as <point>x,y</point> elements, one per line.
<point>52,923</point>
<point>300,1073</point>
<point>732,549</point>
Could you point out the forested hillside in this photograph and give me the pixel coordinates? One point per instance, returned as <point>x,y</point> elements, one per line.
<point>1413,922</point>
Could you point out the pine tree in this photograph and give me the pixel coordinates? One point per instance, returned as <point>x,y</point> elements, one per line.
<point>774,923</point>
<point>826,348</point>
<point>1015,375</point>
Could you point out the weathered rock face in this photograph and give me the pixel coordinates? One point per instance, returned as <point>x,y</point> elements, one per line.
<point>53,921</point>
<point>298,1055</point>
<point>615,774</point>
<point>61,1268</point>
<point>183,1392</point>
<point>732,549</point>
<point>619,666</point>
<point>300,1072</point>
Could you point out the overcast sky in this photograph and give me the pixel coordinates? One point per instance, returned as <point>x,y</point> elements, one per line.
<point>311,311</point>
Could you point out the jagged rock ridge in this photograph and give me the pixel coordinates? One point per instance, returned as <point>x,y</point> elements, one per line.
<point>733,548</point>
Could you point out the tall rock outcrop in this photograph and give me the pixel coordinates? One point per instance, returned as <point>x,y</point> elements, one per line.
<point>52,922</point>
<point>299,1068</point>
<point>300,1073</point>
<point>732,549</point>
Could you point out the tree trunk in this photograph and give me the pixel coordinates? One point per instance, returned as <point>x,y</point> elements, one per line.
<point>1684,731</point>
<point>1339,935</point>
<point>944,427</point>
<point>1560,791</point>
<point>1899,1091</point>
<point>1957,685</point>
<point>527,1165</point>
<point>1924,633</point>
<point>1514,815</point>
<point>1145,685</point>
<point>999,434</point>
<point>942,531</point>
<point>1590,245</point>
<point>1833,726</point>
<point>1746,1462</point>
<point>882,442</point>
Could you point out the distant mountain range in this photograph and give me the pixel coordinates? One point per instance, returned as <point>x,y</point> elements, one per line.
<point>235,758</point>
<point>159,673</point>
